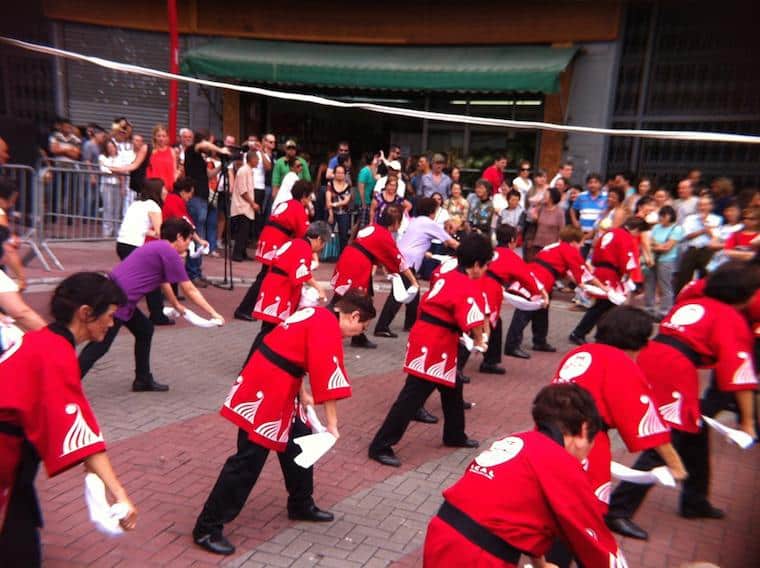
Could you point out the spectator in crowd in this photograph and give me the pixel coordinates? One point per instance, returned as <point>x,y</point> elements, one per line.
<point>243,206</point>
<point>436,181</point>
<point>163,159</point>
<point>394,170</point>
<point>112,189</point>
<point>565,170</point>
<point>457,205</point>
<point>732,223</point>
<point>394,153</point>
<point>339,204</point>
<point>216,214</point>
<point>743,244</point>
<point>686,204</point>
<point>549,219</point>
<point>480,217</point>
<point>665,237</point>
<point>283,166</point>
<point>142,222</point>
<point>91,151</point>
<point>587,209</point>
<point>500,198</point>
<point>342,157</point>
<point>366,186</point>
<point>623,181</point>
<point>9,247</point>
<point>63,143</point>
<point>514,213</point>
<point>262,179</point>
<point>185,140</point>
<point>423,168</point>
<point>615,213</point>
<point>537,194</point>
<point>522,181</point>
<point>456,175</point>
<point>699,229</point>
<point>662,198</point>
<point>568,199</point>
<point>749,197</point>
<point>441,215</point>
<point>722,191</point>
<point>388,196</point>
<point>562,184</point>
<point>284,192</point>
<point>643,188</point>
<point>495,173</point>
<point>695,177</point>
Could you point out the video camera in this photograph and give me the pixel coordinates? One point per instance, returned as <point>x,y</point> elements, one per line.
<point>237,153</point>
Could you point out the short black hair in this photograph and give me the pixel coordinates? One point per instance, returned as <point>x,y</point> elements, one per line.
<point>85,289</point>
<point>636,224</point>
<point>596,176</point>
<point>566,407</point>
<point>7,188</point>
<point>474,249</point>
<point>619,192</point>
<point>555,194</point>
<point>426,207</point>
<point>356,300</point>
<point>391,214</point>
<point>669,211</point>
<point>734,282</point>
<point>174,227</point>
<point>301,189</point>
<point>624,327</point>
<point>184,184</point>
<point>152,189</point>
<point>643,200</point>
<point>505,234</point>
<point>514,193</point>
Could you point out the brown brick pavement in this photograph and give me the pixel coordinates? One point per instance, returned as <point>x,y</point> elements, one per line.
<point>168,449</point>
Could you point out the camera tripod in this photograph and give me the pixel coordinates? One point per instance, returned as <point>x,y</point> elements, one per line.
<point>224,188</point>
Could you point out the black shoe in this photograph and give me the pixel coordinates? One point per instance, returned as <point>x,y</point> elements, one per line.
<point>140,385</point>
<point>707,511</point>
<point>217,545</point>
<point>517,352</point>
<point>366,344</point>
<point>243,316</point>
<point>386,333</point>
<point>491,369</point>
<point>545,347</point>
<point>468,405</point>
<point>311,513</point>
<point>424,416</point>
<point>467,443</point>
<point>464,379</point>
<point>626,527</point>
<point>386,457</point>
<point>163,321</point>
<point>577,339</point>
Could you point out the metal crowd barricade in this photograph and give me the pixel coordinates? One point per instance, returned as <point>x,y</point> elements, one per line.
<point>25,217</point>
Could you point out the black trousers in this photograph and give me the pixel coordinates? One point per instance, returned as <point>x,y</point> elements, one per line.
<point>592,316</point>
<point>142,330</point>
<point>694,452</point>
<point>259,196</point>
<point>412,396</point>
<point>240,473</point>
<point>391,308</point>
<point>693,260</point>
<point>242,226</point>
<point>249,300</point>
<point>539,320</point>
<point>154,299</point>
<point>492,356</point>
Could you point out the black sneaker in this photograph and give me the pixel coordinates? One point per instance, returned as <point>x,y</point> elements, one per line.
<point>151,385</point>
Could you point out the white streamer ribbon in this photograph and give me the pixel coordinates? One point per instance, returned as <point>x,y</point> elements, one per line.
<point>383,109</point>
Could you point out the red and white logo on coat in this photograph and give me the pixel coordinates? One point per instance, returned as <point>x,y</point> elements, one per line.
<point>575,366</point>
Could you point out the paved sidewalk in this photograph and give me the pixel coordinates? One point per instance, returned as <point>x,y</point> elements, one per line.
<point>168,449</point>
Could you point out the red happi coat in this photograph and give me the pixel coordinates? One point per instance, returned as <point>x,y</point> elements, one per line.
<point>721,338</point>
<point>281,289</point>
<point>41,396</point>
<point>563,258</point>
<point>287,221</point>
<point>625,401</point>
<point>696,289</point>
<point>431,352</point>
<point>615,255</point>
<point>354,267</point>
<point>506,269</point>
<point>528,491</point>
<point>263,400</point>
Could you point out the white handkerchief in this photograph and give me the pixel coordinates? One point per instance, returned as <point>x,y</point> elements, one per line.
<point>309,297</point>
<point>106,517</point>
<point>316,425</point>
<point>194,251</point>
<point>314,264</point>
<point>660,475</point>
<point>10,335</point>
<point>313,447</point>
<point>197,320</point>
<point>522,303</point>
<point>170,312</point>
<point>738,437</point>
<point>401,294</point>
<point>617,298</point>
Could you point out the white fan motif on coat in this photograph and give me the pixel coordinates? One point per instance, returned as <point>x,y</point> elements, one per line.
<point>366,232</point>
<point>439,368</point>
<point>283,249</point>
<point>607,239</point>
<point>448,266</point>
<point>631,264</point>
<point>343,288</point>
<point>270,255</point>
<point>650,424</point>
<point>300,315</point>
<point>337,379</point>
<point>272,309</point>
<point>280,209</point>
<point>450,376</point>
<point>302,271</point>
<point>437,287</point>
<point>269,430</point>
<point>474,315</point>
<point>672,411</point>
<point>233,390</point>
<point>603,492</point>
<point>285,314</point>
<point>285,434</point>
<point>248,409</point>
<point>259,304</point>
<point>418,363</point>
<point>80,435</point>
<point>745,374</point>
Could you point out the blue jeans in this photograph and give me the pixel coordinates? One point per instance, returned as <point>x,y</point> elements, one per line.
<point>211,227</point>
<point>198,209</point>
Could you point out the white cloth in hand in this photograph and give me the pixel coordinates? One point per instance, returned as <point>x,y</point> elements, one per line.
<point>105,517</point>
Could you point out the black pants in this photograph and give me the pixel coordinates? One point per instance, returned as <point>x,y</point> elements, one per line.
<point>242,226</point>
<point>239,475</point>
<point>154,299</point>
<point>391,308</point>
<point>142,330</point>
<point>539,320</point>
<point>694,452</point>
<point>592,316</point>
<point>266,327</point>
<point>259,196</point>
<point>492,356</point>
<point>693,260</point>
<point>410,399</point>
<point>249,300</point>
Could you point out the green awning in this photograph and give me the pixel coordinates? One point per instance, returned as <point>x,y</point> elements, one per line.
<point>398,68</point>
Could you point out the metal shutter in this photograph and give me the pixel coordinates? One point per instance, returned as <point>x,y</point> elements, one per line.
<point>96,94</point>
